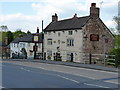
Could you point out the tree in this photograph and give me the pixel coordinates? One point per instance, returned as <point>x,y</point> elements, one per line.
<point>4,28</point>
<point>28,32</point>
<point>117,21</point>
<point>117,37</point>
<point>9,37</point>
<point>18,33</point>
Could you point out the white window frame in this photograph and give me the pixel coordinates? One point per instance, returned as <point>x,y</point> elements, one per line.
<point>70,32</point>
<point>70,42</point>
<point>49,41</point>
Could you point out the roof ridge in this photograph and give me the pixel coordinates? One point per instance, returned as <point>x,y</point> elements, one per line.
<point>72,18</point>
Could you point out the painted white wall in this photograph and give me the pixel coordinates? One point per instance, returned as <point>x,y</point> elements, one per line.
<point>64,49</point>
<point>16,47</point>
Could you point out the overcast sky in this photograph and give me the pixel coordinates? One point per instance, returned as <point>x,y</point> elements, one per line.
<point>28,14</point>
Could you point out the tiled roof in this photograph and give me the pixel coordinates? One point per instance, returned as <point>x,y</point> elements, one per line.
<point>67,24</point>
<point>28,38</point>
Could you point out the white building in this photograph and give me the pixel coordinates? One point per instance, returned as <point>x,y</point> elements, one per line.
<point>26,43</point>
<point>71,38</point>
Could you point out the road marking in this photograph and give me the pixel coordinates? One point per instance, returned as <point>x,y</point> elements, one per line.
<point>2,87</point>
<point>68,79</point>
<point>112,82</point>
<point>96,85</point>
<point>83,68</point>
<point>25,69</point>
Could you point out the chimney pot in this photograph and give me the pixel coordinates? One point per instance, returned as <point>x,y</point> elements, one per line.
<point>93,4</point>
<point>75,15</point>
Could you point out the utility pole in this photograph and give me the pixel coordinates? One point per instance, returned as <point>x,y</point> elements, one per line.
<point>42,42</point>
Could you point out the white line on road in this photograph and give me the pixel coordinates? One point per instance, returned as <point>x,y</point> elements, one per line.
<point>1,87</point>
<point>112,82</point>
<point>25,69</point>
<point>68,79</point>
<point>88,69</point>
<point>96,85</point>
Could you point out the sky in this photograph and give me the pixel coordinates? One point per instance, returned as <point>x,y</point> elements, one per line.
<point>28,14</point>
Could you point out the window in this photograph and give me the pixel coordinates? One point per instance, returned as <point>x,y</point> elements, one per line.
<point>58,33</point>
<point>49,33</point>
<point>70,42</point>
<point>39,45</point>
<point>49,41</point>
<point>58,41</point>
<point>28,44</point>
<point>45,32</point>
<point>49,53</point>
<point>17,44</point>
<point>68,56</point>
<point>70,32</point>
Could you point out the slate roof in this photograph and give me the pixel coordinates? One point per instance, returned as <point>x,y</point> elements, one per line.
<point>67,24</point>
<point>28,38</point>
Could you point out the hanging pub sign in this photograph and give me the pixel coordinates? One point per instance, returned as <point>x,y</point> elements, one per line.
<point>35,39</point>
<point>94,37</point>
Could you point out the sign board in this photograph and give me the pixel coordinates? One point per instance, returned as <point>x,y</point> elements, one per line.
<point>94,37</point>
<point>35,38</point>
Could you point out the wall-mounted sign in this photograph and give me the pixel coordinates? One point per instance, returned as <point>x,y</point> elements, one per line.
<point>94,37</point>
<point>35,38</point>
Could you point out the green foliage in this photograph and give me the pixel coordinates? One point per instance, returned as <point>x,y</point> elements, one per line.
<point>116,52</point>
<point>117,41</point>
<point>2,36</point>
<point>18,33</point>
<point>28,32</point>
<point>10,36</point>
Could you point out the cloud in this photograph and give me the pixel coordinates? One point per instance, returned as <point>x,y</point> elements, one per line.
<point>64,8</point>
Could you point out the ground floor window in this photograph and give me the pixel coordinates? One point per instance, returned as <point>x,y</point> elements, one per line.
<point>49,54</point>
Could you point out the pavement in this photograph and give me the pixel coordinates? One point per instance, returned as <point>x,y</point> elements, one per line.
<point>73,64</point>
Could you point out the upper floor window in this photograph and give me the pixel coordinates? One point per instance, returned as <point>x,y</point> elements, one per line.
<point>58,33</point>
<point>58,41</point>
<point>49,33</point>
<point>70,42</point>
<point>45,32</point>
<point>49,41</point>
<point>70,32</point>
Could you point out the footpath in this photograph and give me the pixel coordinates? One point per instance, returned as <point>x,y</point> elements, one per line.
<point>73,64</point>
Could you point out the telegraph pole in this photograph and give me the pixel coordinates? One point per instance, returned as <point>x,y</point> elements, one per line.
<point>42,42</point>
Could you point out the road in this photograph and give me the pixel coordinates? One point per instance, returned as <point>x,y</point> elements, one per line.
<point>19,74</point>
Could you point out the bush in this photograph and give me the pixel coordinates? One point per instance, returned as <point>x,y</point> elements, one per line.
<point>116,52</point>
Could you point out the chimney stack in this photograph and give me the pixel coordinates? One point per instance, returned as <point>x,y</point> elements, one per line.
<point>54,18</point>
<point>37,29</point>
<point>94,11</point>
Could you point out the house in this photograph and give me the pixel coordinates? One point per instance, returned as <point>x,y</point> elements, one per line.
<point>71,39</point>
<point>23,47</point>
